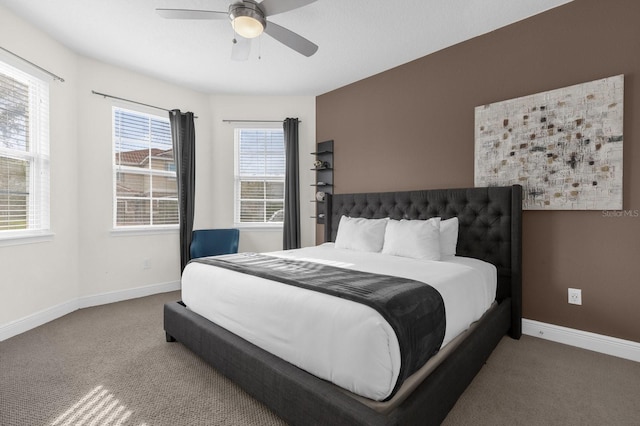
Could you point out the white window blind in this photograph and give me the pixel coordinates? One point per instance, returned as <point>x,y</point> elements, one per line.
<point>259,177</point>
<point>24,153</point>
<point>144,172</point>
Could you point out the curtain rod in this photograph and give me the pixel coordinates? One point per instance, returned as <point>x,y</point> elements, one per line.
<point>133,102</point>
<point>54,76</point>
<point>128,100</point>
<point>254,121</point>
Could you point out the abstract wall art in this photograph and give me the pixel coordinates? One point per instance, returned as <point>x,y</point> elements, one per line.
<point>563,146</point>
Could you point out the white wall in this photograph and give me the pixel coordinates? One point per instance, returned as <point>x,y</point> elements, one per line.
<point>222,175</point>
<point>35,277</point>
<point>115,261</point>
<point>85,263</point>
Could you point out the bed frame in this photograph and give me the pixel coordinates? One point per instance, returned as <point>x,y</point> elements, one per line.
<point>490,229</point>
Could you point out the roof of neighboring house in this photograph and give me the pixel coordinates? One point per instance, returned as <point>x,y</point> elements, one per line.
<point>141,156</point>
<point>125,190</point>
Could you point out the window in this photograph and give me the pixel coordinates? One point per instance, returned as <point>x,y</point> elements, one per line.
<point>259,177</point>
<point>24,153</point>
<point>144,172</point>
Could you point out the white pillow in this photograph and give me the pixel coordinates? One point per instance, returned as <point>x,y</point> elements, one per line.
<point>448,236</point>
<point>358,233</point>
<point>418,239</point>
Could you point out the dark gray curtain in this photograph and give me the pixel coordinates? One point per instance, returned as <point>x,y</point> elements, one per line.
<point>184,151</point>
<point>291,228</point>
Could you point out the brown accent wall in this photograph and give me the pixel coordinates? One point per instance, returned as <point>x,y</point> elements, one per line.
<point>412,127</point>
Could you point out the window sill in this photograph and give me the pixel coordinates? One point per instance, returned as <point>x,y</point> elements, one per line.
<point>258,227</point>
<point>144,230</point>
<point>24,237</point>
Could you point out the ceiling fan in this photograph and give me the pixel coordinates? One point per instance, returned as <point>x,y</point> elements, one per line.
<point>249,20</point>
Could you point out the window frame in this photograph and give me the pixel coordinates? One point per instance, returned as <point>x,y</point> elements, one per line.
<point>146,228</point>
<point>38,213</point>
<point>238,179</point>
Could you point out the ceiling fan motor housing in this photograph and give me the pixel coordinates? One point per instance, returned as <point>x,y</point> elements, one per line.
<point>247,18</point>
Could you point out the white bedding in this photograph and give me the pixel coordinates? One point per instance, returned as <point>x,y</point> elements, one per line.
<point>335,339</point>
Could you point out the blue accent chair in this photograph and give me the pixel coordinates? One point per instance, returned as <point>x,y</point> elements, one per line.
<point>212,242</point>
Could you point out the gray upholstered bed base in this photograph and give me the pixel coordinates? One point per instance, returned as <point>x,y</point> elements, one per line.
<point>490,229</point>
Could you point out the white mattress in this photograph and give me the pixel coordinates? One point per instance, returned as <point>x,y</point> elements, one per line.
<point>335,339</point>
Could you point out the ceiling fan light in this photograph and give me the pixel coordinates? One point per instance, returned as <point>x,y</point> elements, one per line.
<point>247,19</point>
<point>247,26</point>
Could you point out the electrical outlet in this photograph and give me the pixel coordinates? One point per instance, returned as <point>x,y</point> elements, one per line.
<point>146,264</point>
<point>575,296</point>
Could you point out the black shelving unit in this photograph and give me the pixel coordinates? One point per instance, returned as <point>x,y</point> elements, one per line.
<point>324,176</point>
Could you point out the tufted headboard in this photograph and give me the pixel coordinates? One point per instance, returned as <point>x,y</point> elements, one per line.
<point>490,226</point>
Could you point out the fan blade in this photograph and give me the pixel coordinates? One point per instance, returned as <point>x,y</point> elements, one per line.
<point>273,7</point>
<point>191,14</point>
<point>241,48</point>
<point>291,39</point>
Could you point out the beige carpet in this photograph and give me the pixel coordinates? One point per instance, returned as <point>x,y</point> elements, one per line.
<point>110,365</point>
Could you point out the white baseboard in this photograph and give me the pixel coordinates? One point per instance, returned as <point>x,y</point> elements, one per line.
<point>37,319</point>
<point>626,349</point>
<point>131,293</point>
<point>46,315</point>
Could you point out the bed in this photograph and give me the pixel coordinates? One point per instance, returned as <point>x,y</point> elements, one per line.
<point>489,230</point>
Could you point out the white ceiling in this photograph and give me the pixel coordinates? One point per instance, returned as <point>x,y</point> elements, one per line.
<point>357,38</point>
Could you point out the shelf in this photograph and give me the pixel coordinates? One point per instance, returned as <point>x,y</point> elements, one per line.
<point>324,177</point>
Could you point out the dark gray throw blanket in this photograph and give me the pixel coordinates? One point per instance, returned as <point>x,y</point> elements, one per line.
<point>414,310</point>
